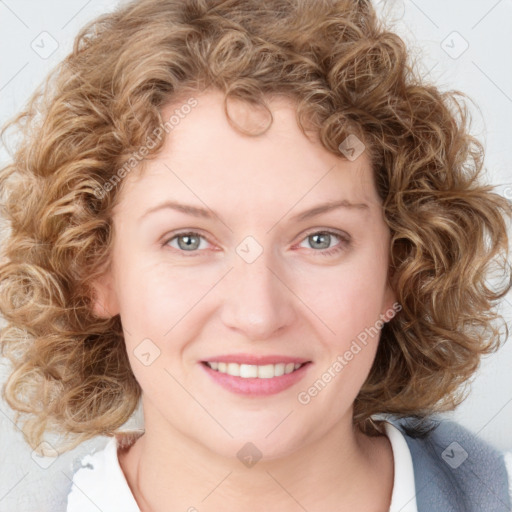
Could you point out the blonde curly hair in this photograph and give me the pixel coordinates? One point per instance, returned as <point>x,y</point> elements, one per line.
<point>348,74</point>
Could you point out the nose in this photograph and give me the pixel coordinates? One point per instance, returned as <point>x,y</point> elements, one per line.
<point>258,302</point>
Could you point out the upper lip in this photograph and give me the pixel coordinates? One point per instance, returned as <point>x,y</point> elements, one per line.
<point>255,360</point>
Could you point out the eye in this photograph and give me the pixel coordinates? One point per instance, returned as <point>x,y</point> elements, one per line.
<point>322,240</point>
<point>189,241</point>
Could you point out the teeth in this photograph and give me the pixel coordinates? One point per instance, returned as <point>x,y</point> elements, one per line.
<point>248,371</point>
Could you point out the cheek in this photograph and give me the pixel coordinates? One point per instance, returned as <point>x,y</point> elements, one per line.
<point>348,298</point>
<point>155,297</point>
<point>163,307</point>
<point>155,306</point>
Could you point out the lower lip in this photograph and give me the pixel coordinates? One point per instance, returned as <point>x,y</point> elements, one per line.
<point>255,386</point>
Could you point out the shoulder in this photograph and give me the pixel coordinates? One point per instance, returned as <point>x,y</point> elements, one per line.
<point>99,481</point>
<point>508,463</point>
<point>454,468</point>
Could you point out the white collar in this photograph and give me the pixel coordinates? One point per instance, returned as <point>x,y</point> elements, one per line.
<point>103,482</point>
<point>403,498</point>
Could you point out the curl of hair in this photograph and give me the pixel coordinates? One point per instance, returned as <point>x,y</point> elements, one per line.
<point>347,74</point>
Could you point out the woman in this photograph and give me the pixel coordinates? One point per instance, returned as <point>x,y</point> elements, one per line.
<point>264,226</point>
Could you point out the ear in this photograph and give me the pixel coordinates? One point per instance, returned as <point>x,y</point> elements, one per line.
<point>390,306</point>
<point>105,303</point>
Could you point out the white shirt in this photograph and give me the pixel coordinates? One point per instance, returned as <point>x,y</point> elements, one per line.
<point>101,484</point>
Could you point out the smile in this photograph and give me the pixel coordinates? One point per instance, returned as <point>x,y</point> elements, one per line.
<point>251,371</point>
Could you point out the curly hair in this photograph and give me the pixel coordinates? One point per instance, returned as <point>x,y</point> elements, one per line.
<point>347,74</point>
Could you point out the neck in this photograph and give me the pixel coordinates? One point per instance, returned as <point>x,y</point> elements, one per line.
<point>167,470</point>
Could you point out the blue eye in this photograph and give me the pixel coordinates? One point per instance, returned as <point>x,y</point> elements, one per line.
<point>322,239</point>
<point>190,241</point>
<point>187,242</point>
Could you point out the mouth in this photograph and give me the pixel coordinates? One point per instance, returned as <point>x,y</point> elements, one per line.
<point>256,380</point>
<point>253,371</point>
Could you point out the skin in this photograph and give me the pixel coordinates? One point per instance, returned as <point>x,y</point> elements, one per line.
<point>292,300</point>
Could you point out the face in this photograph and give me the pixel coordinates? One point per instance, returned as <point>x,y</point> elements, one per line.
<point>240,270</point>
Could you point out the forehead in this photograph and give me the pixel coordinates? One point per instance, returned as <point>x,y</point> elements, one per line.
<point>204,156</point>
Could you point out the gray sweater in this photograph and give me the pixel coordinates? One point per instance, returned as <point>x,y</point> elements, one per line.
<point>455,470</point>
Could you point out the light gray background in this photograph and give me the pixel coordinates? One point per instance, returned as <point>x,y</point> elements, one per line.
<point>438,31</point>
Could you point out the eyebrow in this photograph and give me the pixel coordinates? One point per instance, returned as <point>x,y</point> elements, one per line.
<point>209,214</point>
<point>326,207</point>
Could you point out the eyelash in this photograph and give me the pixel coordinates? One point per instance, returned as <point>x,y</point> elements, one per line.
<point>345,241</point>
